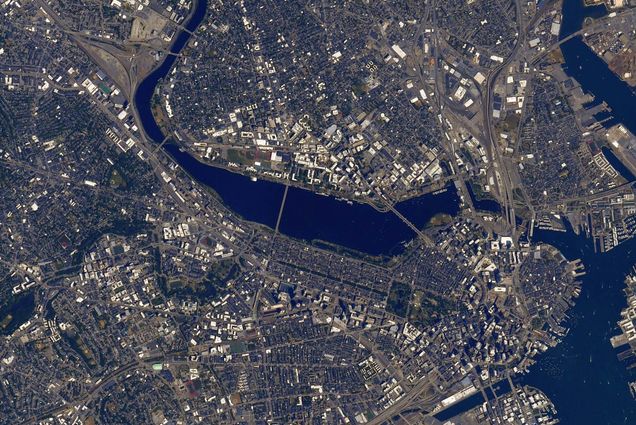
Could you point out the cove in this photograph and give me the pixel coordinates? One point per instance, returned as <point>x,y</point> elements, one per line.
<point>617,164</point>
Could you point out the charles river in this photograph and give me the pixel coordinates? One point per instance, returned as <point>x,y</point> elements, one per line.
<point>582,375</point>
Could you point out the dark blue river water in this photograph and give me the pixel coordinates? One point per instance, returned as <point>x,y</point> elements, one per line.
<point>582,375</point>
<point>146,89</point>
<point>306,215</point>
<point>617,164</point>
<point>309,216</point>
<point>590,70</point>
